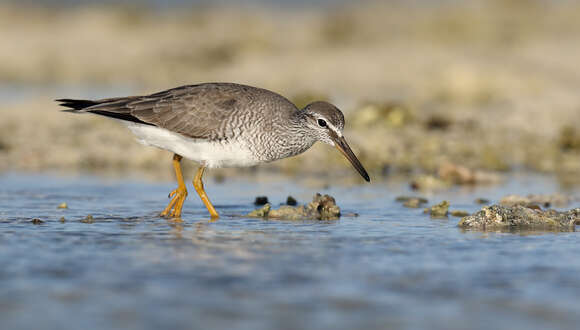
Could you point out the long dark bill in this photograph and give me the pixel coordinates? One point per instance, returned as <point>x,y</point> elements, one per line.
<point>342,146</point>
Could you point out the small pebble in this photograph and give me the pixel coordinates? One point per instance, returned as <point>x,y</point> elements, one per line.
<point>291,201</point>
<point>36,221</point>
<point>438,211</point>
<point>481,201</point>
<point>261,200</point>
<point>459,213</point>
<point>402,198</point>
<point>261,212</point>
<point>62,205</point>
<point>88,219</point>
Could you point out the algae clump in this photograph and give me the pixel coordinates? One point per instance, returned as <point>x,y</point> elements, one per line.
<point>519,216</point>
<point>438,211</point>
<point>322,207</point>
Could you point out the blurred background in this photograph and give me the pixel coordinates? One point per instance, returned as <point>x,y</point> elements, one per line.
<point>489,85</point>
<point>436,93</point>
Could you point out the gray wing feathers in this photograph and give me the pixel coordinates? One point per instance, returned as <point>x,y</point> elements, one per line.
<point>182,110</point>
<point>196,111</point>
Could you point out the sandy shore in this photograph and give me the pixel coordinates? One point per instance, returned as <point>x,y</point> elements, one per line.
<point>490,86</point>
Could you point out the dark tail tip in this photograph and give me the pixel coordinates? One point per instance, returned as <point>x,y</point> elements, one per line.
<point>76,104</point>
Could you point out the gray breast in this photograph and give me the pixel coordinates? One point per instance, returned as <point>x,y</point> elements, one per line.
<point>270,126</point>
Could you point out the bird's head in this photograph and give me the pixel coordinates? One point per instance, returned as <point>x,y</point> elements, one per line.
<point>326,122</point>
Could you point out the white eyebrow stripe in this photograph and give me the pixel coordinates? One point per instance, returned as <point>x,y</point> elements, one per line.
<point>334,129</point>
<point>330,125</point>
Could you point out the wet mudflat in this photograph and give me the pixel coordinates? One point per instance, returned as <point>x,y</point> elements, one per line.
<point>389,267</point>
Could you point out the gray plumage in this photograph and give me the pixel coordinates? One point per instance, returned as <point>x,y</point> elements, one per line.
<point>225,112</point>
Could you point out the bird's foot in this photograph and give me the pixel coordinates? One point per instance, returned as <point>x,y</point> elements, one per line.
<point>174,207</point>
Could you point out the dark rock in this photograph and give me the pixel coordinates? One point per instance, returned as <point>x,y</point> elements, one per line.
<point>291,201</point>
<point>481,201</point>
<point>36,221</point>
<point>261,200</point>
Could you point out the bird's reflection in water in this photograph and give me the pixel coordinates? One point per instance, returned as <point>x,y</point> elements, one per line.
<point>178,225</point>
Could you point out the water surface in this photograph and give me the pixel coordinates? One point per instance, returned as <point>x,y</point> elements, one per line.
<point>390,267</point>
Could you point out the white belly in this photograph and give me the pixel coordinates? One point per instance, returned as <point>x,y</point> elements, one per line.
<point>211,154</point>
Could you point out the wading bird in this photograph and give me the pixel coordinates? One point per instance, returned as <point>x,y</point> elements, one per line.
<point>222,125</point>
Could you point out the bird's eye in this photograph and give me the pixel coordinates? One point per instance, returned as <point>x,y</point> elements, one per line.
<point>322,122</point>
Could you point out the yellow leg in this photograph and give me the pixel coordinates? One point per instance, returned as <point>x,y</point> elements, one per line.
<point>198,184</point>
<point>178,195</point>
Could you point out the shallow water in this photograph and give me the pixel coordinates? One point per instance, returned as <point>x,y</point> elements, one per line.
<point>390,267</point>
